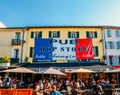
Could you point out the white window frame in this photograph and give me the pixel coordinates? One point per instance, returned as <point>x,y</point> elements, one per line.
<point>117,33</point>
<point>109,33</point>
<point>73,35</point>
<point>54,34</point>
<point>110,45</point>
<point>16,35</point>
<point>14,53</point>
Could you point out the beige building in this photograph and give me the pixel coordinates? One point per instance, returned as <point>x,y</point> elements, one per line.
<point>13,43</point>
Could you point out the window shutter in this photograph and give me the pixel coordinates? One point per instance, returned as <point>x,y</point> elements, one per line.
<point>108,33</point>
<point>77,34</point>
<point>115,60</point>
<point>69,34</point>
<point>117,45</point>
<point>50,34</point>
<point>32,34</point>
<point>116,33</point>
<point>87,34</point>
<point>95,33</point>
<point>58,34</point>
<point>113,45</point>
<point>96,51</point>
<point>40,34</point>
<point>31,52</point>
<point>106,45</point>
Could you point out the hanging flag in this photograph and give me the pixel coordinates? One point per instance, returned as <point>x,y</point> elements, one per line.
<point>63,49</point>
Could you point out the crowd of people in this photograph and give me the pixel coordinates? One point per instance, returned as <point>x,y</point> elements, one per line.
<point>57,86</point>
<point>72,86</point>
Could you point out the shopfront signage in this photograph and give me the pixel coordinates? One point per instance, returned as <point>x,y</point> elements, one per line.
<point>63,49</point>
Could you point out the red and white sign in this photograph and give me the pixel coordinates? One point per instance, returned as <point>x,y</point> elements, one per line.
<point>84,49</point>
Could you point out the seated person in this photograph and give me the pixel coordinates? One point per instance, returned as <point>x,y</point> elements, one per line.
<point>54,91</point>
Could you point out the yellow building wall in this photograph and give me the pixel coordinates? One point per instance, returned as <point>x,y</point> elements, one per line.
<point>6,47</point>
<point>5,43</point>
<point>64,35</point>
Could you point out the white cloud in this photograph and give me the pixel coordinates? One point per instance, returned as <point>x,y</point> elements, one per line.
<point>2,25</point>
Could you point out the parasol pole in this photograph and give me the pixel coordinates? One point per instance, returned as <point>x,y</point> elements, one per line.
<point>21,77</point>
<point>81,75</point>
<point>50,76</point>
<point>42,76</point>
<point>118,79</point>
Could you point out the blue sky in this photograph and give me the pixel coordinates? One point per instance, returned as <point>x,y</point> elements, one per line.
<point>19,13</point>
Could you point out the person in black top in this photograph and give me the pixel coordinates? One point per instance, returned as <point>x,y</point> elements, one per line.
<point>63,86</point>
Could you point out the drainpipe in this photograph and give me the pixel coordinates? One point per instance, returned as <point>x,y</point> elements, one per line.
<point>22,44</point>
<point>104,48</point>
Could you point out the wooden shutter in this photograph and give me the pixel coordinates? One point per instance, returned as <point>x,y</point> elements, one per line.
<point>97,53</point>
<point>87,34</point>
<point>77,34</point>
<point>31,52</point>
<point>40,34</point>
<point>50,34</point>
<point>69,34</point>
<point>117,45</point>
<point>106,45</point>
<point>58,34</point>
<point>113,45</point>
<point>32,34</point>
<point>95,34</point>
<point>108,33</point>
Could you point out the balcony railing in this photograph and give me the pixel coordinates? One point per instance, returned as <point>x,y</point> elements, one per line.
<point>14,60</point>
<point>16,41</point>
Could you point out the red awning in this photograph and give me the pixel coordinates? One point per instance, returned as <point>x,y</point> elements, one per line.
<point>117,67</point>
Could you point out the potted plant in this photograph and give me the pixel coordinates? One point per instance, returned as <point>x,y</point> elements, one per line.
<point>5,61</point>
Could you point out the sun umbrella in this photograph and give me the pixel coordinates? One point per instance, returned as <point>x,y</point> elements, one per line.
<point>113,71</point>
<point>19,70</point>
<point>52,71</point>
<point>82,70</point>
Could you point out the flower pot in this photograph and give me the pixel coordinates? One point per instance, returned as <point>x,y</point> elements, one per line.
<point>4,64</point>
